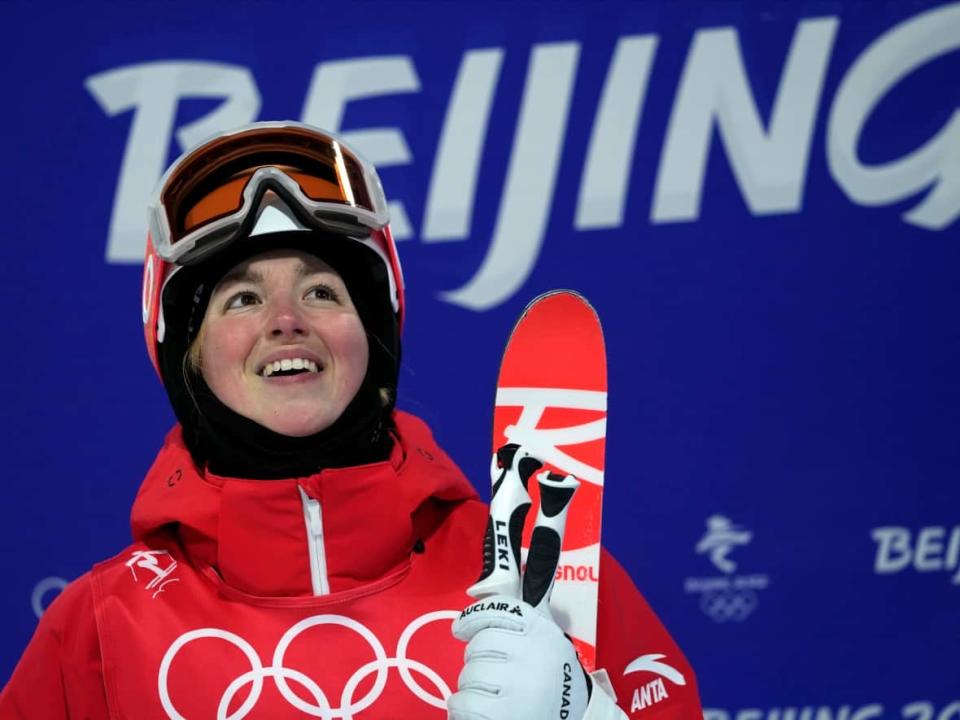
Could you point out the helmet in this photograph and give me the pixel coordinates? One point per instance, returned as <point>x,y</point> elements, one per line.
<point>226,190</point>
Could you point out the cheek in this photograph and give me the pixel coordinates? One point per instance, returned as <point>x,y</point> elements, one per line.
<point>353,349</point>
<point>222,354</point>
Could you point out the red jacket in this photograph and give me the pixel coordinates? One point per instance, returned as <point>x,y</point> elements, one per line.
<point>326,596</point>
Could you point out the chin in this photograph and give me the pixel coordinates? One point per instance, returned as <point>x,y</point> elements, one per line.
<point>296,425</point>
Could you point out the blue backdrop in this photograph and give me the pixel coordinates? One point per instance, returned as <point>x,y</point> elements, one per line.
<point>761,200</point>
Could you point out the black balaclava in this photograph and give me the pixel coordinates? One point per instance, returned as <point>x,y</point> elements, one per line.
<point>232,445</point>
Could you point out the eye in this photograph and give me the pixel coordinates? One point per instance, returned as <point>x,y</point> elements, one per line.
<point>323,292</point>
<point>241,300</point>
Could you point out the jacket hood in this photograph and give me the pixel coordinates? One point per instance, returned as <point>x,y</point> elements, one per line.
<point>260,538</point>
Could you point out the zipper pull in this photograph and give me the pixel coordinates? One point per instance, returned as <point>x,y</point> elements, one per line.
<point>313,516</point>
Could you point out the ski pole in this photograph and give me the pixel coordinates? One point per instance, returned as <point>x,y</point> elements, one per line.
<point>510,470</point>
<point>556,492</point>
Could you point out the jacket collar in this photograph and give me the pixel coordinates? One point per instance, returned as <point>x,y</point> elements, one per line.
<point>255,532</point>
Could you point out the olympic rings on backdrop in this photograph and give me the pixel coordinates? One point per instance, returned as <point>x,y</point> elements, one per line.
<point>726,605</point>
<point>40,591</point>
<point>281,675</point>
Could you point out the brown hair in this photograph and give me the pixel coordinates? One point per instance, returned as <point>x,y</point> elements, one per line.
<point>191,360</point>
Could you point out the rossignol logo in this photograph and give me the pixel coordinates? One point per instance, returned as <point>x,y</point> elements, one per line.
<point>924,550</point>
<point>730,596</point>
<point>576,573</point>
<point>511,608</point>
<point>653,690</point>
<point>547,444</point>
<point>770,157</point>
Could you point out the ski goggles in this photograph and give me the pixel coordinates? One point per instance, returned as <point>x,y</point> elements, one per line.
<point>209,197</point>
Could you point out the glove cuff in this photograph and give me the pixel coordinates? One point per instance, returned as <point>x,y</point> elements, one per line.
<point>603,700</point>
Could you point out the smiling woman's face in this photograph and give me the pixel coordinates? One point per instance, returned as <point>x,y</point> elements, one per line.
<point>282,343</point>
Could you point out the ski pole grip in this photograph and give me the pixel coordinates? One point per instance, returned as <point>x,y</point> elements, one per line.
<point>556,492</point>
<point>510,471</point>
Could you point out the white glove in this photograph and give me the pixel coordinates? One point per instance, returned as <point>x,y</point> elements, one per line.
<point>518,664</point>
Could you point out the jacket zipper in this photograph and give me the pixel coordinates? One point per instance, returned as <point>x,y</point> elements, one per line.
<point>318,558</point>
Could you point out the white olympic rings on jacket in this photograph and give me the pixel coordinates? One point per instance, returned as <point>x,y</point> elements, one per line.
<point>281,674</point>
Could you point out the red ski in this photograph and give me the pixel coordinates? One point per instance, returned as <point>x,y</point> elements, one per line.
<point>551,404</point>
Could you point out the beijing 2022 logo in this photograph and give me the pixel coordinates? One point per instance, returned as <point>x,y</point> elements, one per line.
<point>729,597</point>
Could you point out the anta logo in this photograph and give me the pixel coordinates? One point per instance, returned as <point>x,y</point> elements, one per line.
<point>650,694</point>
<point>493,607</point>
<point>653,691</point>
<point>567,690</point>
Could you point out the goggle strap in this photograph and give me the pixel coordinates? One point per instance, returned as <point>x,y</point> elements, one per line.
<point>171,270</point>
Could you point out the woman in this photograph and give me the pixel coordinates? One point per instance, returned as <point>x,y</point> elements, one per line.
<point>301,546</point>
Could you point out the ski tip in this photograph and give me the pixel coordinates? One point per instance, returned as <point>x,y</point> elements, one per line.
<point>558,291</point>
<point>559,294</point>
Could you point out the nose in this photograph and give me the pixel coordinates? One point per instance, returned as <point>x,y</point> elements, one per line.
<point>286,321</point>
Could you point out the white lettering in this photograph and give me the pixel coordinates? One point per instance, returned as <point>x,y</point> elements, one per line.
<point>843,712</point>
<point>893,549</point>
<point>153,91</point>
<point>700,585</point>
<point>888,60</point>
<point>769,166</point>
<point>790,714</point>
<point>453,183</point>
<point>603,187</point>
<point>950,711</point>
<point>920,710</point>
<point>650,694</point>
<point>928,555</point>
<point>953,550</point>
<point>531,178</point>
<point>752,582</point>
<point>659,690</point>
<point>825,713</point>
<point>936,548</point>
<point>644,696</point>
<point>867,712</point>
<point>714,714</point>
<point>336,83</point>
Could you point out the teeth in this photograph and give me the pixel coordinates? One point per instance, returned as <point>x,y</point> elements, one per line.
<point>289,364</point>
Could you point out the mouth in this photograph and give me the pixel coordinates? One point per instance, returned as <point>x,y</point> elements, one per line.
<point>289,367</point>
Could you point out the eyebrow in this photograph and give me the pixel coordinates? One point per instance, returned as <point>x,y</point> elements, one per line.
<point>238,275</point>
<point>249,275</point>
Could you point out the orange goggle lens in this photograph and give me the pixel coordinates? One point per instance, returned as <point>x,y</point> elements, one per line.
<point>228,197</point>
<point>209,183</point>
